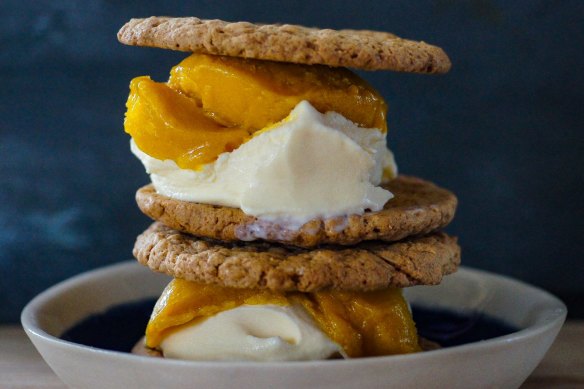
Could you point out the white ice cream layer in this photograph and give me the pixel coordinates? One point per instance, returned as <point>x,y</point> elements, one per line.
<point>308,166</point>
<point>251,333</point>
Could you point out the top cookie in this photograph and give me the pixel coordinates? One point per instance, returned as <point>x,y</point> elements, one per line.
<point>361,49</point>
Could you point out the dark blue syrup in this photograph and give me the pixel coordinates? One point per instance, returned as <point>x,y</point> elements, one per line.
<point>120,327</point>
<point>449,328</point>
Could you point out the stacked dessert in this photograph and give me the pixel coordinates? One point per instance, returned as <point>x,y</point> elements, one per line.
<point>277,205</point>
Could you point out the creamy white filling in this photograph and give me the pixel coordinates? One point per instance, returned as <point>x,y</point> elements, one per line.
<point>308,166</point>
<point>251,333</point>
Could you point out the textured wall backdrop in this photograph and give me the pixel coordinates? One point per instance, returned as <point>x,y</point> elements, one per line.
<point>503,129</point>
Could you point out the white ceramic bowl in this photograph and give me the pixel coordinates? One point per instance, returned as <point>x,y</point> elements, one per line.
<point>499,362</point>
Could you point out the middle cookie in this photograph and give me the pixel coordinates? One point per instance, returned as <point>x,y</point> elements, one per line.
<point>419,207</point>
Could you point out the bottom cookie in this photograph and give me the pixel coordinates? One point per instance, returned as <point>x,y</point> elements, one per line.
<point>362,267</point>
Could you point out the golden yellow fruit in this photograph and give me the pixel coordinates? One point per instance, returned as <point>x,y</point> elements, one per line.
<point>362,323</point>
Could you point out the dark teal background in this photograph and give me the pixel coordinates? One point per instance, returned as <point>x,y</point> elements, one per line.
<point>503,129</point>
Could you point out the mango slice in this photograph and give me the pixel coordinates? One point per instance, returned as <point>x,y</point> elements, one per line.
<point>168,125</point>
<point>381,319</point>
<point>213,104</point>
<point>362,323</point>
<point>254,94</point>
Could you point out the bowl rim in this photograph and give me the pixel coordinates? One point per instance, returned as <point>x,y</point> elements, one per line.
<point>29,320</point>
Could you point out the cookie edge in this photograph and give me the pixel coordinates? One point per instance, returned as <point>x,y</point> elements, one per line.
<point>360,49</point>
